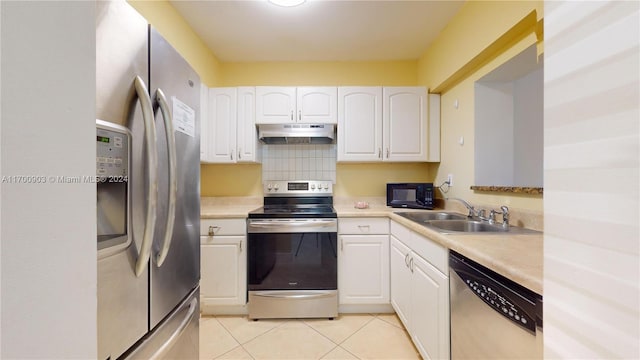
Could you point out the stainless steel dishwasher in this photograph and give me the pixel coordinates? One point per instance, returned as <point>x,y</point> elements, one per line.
<point>492,317</point>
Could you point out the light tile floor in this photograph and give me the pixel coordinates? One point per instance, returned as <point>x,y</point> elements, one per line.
<point>350,336</point>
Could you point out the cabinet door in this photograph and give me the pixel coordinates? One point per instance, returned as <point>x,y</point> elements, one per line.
<point>363,269</point>
<point>247,143</point>
<point>405,123</point>
<point>223,274</point>
<point>434,128</point>
<point>275,104</point>
<point>204,123</point>
<point>317,105</point>
<point>400,280</point>
<point>429,310</point>
<point>222,125</point>
<point>359,124</point>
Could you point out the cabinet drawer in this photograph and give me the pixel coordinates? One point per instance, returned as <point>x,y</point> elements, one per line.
<point>436,254</point>
<point>363,226</point>
<point>223,226</point>
<point>400,232</point>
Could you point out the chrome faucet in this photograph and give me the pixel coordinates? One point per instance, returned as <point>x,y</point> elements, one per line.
<point>467,205</point>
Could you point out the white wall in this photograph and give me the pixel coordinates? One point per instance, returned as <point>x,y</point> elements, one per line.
<point>591,176</point>
<point>494,133</point>
<point>48,233</point>
<point>528,129</point>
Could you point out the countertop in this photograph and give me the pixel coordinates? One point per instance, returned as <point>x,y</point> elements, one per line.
<point>228,207</point>
<point>517,257</point>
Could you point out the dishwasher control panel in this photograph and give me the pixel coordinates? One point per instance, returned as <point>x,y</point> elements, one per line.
<point>502,304</point>
<point>505,297</point>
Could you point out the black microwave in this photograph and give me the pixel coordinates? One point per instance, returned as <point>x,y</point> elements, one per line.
<point>410,195</point>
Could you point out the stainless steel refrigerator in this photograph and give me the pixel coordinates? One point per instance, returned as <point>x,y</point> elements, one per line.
<point>148,283</point>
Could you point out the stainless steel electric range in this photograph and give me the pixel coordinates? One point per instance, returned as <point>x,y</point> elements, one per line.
<point>292,255</point>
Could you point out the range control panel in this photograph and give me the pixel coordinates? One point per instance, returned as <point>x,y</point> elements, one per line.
<point>303,187</point>
<point>112,153</point>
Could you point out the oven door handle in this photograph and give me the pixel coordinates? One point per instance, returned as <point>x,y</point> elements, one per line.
<point>294,295</point>
<point>301,223</point>
<point>292,226</point>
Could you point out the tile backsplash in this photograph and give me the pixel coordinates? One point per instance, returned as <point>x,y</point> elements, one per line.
<point>299,162</point>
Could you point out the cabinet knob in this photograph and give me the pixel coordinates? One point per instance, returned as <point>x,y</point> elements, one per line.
<point>387,153</point>
<point>299,115</point>
<point>213,230</point>
<point>239,153</point>
<point>379,153</point>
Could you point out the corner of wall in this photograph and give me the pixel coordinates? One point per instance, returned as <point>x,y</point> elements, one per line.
<point>164,17</point>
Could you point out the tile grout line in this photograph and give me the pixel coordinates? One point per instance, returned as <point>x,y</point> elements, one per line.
<point>240,344</point>
<point>373,317</point>
<point>388,322</point>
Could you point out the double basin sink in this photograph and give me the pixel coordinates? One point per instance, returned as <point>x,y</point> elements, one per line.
<point>454,223</point>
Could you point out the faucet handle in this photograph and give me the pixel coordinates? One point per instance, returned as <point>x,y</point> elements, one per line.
<point>492,216</point>
<point>505,216</point>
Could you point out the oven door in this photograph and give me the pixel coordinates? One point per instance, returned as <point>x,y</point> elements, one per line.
<point>292,254</point>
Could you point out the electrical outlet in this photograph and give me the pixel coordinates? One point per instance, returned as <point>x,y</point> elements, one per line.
<point>450,179</point>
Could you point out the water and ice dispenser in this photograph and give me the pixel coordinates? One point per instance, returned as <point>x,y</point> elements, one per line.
<point>113,144</point>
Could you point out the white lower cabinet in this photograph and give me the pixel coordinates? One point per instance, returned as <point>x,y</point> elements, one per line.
<point>223,263</point>
<point>363,261</point>
<point>420,290</point>
<point>429,310</point>
<point>400,280</point>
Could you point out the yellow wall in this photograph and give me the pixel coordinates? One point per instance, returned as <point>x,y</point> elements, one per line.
<point>179,34</point>
<point>482,36</point>
<point>389,73</point>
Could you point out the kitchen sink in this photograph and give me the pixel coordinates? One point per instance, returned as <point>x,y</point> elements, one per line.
<point>465,226</point>
<point>454,223</point>
<point>421,217</point>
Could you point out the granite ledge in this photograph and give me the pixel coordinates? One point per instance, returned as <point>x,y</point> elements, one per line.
<point>509,189</point>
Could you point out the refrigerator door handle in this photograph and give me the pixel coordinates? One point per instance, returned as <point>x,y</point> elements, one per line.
<point>176,334</point>
<point>173,182</point>
<point>152,166</point>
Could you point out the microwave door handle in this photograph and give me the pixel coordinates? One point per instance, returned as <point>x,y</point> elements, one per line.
<point>173,183</point>
<point>152,171</point>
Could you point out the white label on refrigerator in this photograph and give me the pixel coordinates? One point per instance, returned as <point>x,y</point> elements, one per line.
<point>184,118</point>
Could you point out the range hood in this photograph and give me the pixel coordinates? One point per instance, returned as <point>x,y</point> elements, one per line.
<point>297,133</point>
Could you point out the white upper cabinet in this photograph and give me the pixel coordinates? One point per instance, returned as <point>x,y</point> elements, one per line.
<point>222,125</point>
<point>317,105</point>
<point>248,146</point>
<point>275,104</point>
<point>284,104</point>
<point>228,130</point>
<point>404,120</point>
<point>204,123</point>
<point>359,124</point>
<point>387,124</point>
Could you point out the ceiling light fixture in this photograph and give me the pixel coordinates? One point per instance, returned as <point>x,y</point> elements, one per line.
<point>287,3</point>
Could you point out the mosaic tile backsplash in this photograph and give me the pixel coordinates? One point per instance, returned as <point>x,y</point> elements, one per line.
<point>299,162</point>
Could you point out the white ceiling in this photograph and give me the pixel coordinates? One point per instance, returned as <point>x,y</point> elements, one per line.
<point>318,30</point>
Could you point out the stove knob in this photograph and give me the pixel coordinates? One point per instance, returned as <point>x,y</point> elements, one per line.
<point>326,186</point>
<point>269,187</point>
<point>313,186</point>
<point>276,186</point>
